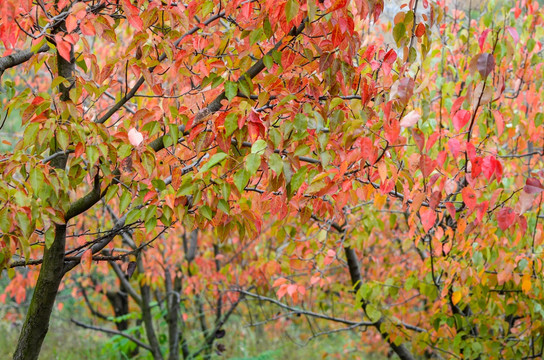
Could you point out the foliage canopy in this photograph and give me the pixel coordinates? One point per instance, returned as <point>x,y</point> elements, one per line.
<point>181,158</point>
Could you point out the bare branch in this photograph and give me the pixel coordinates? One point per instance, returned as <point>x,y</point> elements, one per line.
<point>111,331</point>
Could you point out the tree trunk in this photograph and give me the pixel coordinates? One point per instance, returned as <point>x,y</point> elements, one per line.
<point>52,270</point>
<point>37,318</point>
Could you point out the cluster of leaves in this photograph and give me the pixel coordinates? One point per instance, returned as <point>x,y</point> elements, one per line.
<point>290,137</point>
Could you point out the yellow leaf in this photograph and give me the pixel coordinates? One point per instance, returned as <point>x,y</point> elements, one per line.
<point>526,283</point>
<point>456,297</point>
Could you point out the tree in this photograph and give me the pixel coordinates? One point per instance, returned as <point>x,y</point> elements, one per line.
<point>404,182</point>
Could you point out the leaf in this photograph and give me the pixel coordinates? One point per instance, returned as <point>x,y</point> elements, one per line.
<point>533,186</point>
<point>240,179</point>
<point>258,146</point>
<point>428,218</point>
<point>291,10</point>
<point>231,90</point>
<point>469,198</point>
<point>456,297</point>
<point>410,119</point>
<point>420,30</point>
<point>276,163</point>
<point>86,260</point>
<point>214,160</point>
<point>405,89</point>
<point>64,48</point>
<point>135,137</point>
<point>253,162</point>
<point>426,165</point>
<point>460,119</point>
<point>485,64</point>
<point>525,202</point>
<point>514,33</point>
<point>505,218</point>
<point>526,283</point>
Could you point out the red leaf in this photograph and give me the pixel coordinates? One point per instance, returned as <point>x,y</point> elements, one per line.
<point>451,209</point>
<point>485,64</point>
<point>489,165</point>
<point>499,119</point>
<point>63,47</point>
<point>471,151</point>
<point>476,167</point>
<point>405,89</point>
<point>455,146</point>
<point>460,119</point>
<point>481,210</point>
<point>533,186</point>
<point>390,57</point>
<point>71,23</point>
<point>457,104</point>
<point>505,217</point>
<point>428,217</point>
<point>420,30</point>
<point>426,165</point>
<point>514,33</point>
<point>419,138</point>
<point>481,39</point>
<point>435,199</point>
<point>469,198</point>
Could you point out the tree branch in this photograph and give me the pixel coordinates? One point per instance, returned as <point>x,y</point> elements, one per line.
<point>18,58</point>
<point>111,331</point>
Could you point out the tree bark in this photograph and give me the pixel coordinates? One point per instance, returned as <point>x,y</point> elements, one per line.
<point>52,271</point>
<point>37,318</point>
<point>357,280</point>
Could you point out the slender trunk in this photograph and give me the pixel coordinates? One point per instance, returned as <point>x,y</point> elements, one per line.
<point>172,302</point>
<point>147,317</point>
<point>52,270</point>
<point>37,318</point>
<point>357,279</point>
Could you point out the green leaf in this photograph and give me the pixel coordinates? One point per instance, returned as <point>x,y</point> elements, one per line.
<point>258,146</point>
<point>133,216</point>
<point>231,123</point>
<point>125,201</point>
<point>214,160</point>
<point>24,224</point>
<point>291,9</point>
<point>206,211</point>
<point>276,163</point>
<point>231,89</point>
<point>245,87</point>
<point>36,179</point>
<point>399,31</point>
<point>240,179</point>
<point>112,191</point>
<point>92,154</point>
<point>49,237</point>
<point>31,132</point>
<point>150,224</point>
<point>298,178</point>
<point>124,151</point>
<point>268,61</point>
<point>373,313</point>
<point>223,206</point>
<point>253,162</point>
<point>267,28</point>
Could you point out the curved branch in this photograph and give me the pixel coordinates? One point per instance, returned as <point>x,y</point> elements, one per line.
<point>111,331</point>
<point>18,58</point>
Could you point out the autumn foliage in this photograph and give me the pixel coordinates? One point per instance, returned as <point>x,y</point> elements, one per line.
<point>374,173</point>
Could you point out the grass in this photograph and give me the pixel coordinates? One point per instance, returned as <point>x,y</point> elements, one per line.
<point>66,341</point>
